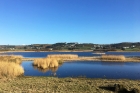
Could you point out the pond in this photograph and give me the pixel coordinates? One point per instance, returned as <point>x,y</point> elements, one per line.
<point>88,69</point>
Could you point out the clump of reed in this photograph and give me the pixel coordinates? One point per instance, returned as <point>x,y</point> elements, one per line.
<point>11,58</point>
<point>52,61</point>
<point>113,57</point>
<point>45,63</point>
<point>63,56</point>
<point>10,69</point>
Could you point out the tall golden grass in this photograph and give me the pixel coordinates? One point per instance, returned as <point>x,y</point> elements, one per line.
<point>45,63</point>
<point>11,58</point>
<point>10,69</point>
<point>52,61</point>
<point>63,56</point>
<point>9,65</point>
<point>113,57</point>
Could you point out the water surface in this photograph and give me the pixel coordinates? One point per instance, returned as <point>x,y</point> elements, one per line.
<point>44,54</point>
<point>89,69</point>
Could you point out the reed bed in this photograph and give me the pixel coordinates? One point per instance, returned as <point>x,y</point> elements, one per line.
<point>10,69</point>
<point>11,58</point>
<point>63,56</point>
<point>52,61</point>
<point>113,57</point>
<point>45,63</point>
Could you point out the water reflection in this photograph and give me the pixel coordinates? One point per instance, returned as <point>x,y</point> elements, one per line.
<point>89,69</point>
<point>113,63</point>
<point>52,69</point>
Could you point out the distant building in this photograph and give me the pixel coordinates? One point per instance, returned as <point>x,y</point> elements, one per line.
<point>50,49</point>
<point>125,47</point>
<point>133,46</point>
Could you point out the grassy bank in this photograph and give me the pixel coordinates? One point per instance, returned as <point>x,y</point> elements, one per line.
<point>63,85</point>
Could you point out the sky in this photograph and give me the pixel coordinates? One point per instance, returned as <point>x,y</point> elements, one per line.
<point>83,21</point>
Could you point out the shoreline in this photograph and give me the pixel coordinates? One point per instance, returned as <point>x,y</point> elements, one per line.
<point>48,51</point>
<point>66,51</point>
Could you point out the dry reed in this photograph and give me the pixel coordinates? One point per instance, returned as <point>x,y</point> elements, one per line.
<point>52,61</point>
<point>11,58</point>
<point>63,56</point>
<point>113,57</point>
<point>45,63</point>
<point>10,69</point>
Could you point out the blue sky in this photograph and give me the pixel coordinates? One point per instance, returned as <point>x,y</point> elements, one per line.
<point>83,21</point>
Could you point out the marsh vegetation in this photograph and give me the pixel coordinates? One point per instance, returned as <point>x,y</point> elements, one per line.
<point>52,60</point>
<point>63,56</point>
<point>10,66</point>
<point>11,58</point>
<point>113,57</point>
